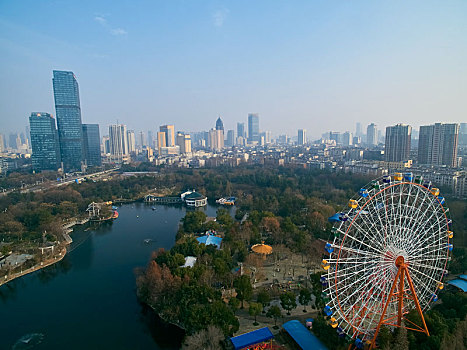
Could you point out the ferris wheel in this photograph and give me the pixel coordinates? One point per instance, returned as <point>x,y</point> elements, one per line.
<point>388,256</point>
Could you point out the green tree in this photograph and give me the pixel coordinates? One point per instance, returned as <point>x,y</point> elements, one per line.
<point>243,288</point>
<point>304,297</point>
<point>193,221</point>
<point>274,312</point>
<point>263,298</point>
<point>288,301</point>
<point>254,310</point>
<point>234,303</point>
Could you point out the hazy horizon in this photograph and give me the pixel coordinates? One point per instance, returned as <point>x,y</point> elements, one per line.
<point>314,65</point>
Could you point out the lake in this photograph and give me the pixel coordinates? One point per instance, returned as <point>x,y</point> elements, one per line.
<point>88,300</point>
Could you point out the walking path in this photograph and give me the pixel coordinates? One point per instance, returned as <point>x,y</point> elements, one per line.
<point>43,264</point>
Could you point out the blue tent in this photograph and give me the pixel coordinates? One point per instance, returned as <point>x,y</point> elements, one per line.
<point>208,239</point>
<point>302,336</point>
<point>251,338</point>
<point>334,218</point>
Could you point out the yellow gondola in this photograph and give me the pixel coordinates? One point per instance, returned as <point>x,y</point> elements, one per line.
<point>435,191</point>
<point>353,204</point>
<point>440,285</point>
<point>398,176</point>
<point>325,265</point>
<point>333,322</point>
<point>450,234</point>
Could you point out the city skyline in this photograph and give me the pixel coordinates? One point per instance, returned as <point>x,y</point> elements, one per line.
<point>317,72</point>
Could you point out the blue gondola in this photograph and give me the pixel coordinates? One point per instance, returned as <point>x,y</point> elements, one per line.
<point>359,343</point>
<point>441,200</point>
<point>387,179</point>
<point>450,246</point>
<point>363,192</point>
<point>434,297</point>
<point>328,247</point>
<point>324,281</point>
<point>327,310</point>
<point>340,332</point>
<point>408,177</point>
<point>343,217</point>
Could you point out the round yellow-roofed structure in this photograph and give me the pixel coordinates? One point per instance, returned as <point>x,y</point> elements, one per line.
<point>262,249</point>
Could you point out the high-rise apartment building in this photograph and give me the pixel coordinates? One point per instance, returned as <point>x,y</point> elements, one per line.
<point>347,139</point>
<point>438,143</point>
<point>216,139</point>
<point>44,142</point>
<point>169,131</point>
<point>92,144</point>
<point>118,142</point>
<point>241,130</point>
<point>253,127</point>
<point>2,143</point>
<point>161,140</point>
<point>372,135</point>
<point>335,136</point>
<point>398,141</point>
<point>184,142</point>
<point>301,137</point>
<point>68,112</point>
<point>131,141</point>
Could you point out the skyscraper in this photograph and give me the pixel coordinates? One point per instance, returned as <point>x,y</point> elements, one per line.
<point>301,137</point>
<point>2,143</point>
<point>438,143</point>
<point>118,142</point>
<point>372,135</point>
<point>230,138</point>
<point>253,127</point>
<point>347,139</point>
<point>241,130</point>
<point>358,129</point>
<point>219,124</point>
<point>169,131</point>
<point>131,141</point>
<point>463,134</point>
<point>142,139</point>
<point>92,145</point>
<point>44,142</point>
<point>398,140</point>
<point>68,111</point>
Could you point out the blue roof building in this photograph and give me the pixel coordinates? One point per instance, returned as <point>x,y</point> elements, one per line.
<point>209,239</point>
<point>251,338</point>
<point>302,336</point>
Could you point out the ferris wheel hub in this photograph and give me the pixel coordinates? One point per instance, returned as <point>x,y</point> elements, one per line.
<point>400,261</point>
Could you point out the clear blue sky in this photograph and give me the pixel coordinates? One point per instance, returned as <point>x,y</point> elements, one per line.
<point>318,65</point>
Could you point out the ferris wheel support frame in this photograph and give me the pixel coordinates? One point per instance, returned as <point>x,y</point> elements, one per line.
<point>400,294</point>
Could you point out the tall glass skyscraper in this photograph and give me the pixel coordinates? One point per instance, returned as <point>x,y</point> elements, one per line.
<point>253,127</point>
<point>44,142</point>
<point>92,144</point>
<point>68,111</point>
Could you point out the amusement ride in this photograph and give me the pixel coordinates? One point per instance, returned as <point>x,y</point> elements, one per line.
<point>388,256</point>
